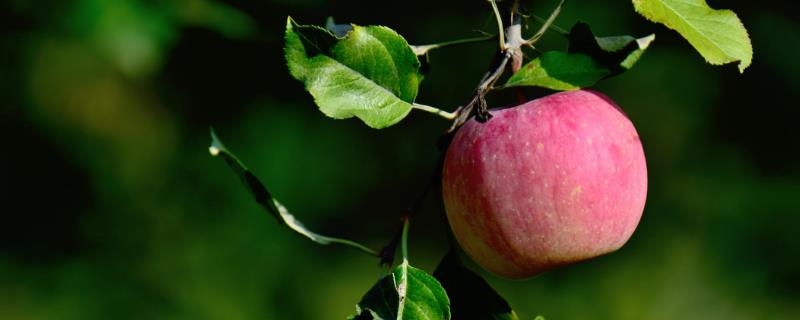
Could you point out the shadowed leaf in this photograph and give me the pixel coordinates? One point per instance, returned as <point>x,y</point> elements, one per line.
<point>265,199</point>
<point>617,53</point>
<point>471,297</point>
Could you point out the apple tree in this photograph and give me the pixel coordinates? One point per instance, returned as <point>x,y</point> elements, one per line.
<point>526,188</point>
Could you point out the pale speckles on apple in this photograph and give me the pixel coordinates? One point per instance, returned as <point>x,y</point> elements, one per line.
<point>575,192</point>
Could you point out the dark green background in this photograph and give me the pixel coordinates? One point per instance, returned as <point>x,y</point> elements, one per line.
<point>112,207</point>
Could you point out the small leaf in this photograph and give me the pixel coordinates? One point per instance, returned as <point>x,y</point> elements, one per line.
<point>370,72</point>
<point>381,301</point>
<point>406,293</point>
<point>471,297</point>
<point>265,199</point>
<point>559,71</point>
<point>617,53</point>
<point>718,35</point>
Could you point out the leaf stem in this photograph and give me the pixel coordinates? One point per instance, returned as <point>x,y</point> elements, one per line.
<point>546,25</point>
<point>436,111</point>
<point>421,50</point>
<point>404,240</point>
<point>554,27</point>
<point>356,245</point>
<point>501,32</point>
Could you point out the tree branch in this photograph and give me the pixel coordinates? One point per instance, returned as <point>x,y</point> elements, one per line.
<point>387,253</point>
<point>510,49</point>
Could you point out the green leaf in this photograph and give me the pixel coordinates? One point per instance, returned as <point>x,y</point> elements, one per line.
<point>559,71</point>
<point>471,297</point>
<point>718,35</point>
<point>380,302</point>
<point>370,73</point>
<point>617,53</point>
<point>422,297</point>
<point>407,293</point>
<point>265,199</point>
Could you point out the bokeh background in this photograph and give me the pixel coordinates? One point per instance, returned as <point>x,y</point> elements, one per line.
<point>112,207</point>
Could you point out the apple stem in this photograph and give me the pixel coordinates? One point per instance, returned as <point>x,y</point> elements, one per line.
<point>511,43</point>
<point>479,97</point>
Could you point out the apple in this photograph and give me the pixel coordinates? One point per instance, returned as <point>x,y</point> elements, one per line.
<point>550,182</point>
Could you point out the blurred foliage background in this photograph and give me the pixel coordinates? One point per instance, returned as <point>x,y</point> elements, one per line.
<point>113,208</point>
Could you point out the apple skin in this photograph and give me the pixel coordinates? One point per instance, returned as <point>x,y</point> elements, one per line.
<point>551,182</point>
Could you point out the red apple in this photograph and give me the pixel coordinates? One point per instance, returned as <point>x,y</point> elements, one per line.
<point>547,183</point>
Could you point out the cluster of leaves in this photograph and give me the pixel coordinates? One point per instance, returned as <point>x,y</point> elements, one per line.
<point>588,60</point>
<point>372,73</point>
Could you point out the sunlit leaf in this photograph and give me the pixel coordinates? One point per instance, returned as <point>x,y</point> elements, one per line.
<point>407,293</point>
<point>718,35</point>
<point>370,72</point>
<point>559,71</point>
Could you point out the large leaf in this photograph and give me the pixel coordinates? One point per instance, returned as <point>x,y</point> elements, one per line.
<point>370,73</point>
<point>407,293</point>
<point>559,71</point>
<point>617,53</point>
<point>265,199</point>
<point>718,35</point>
<point>471,297</point>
